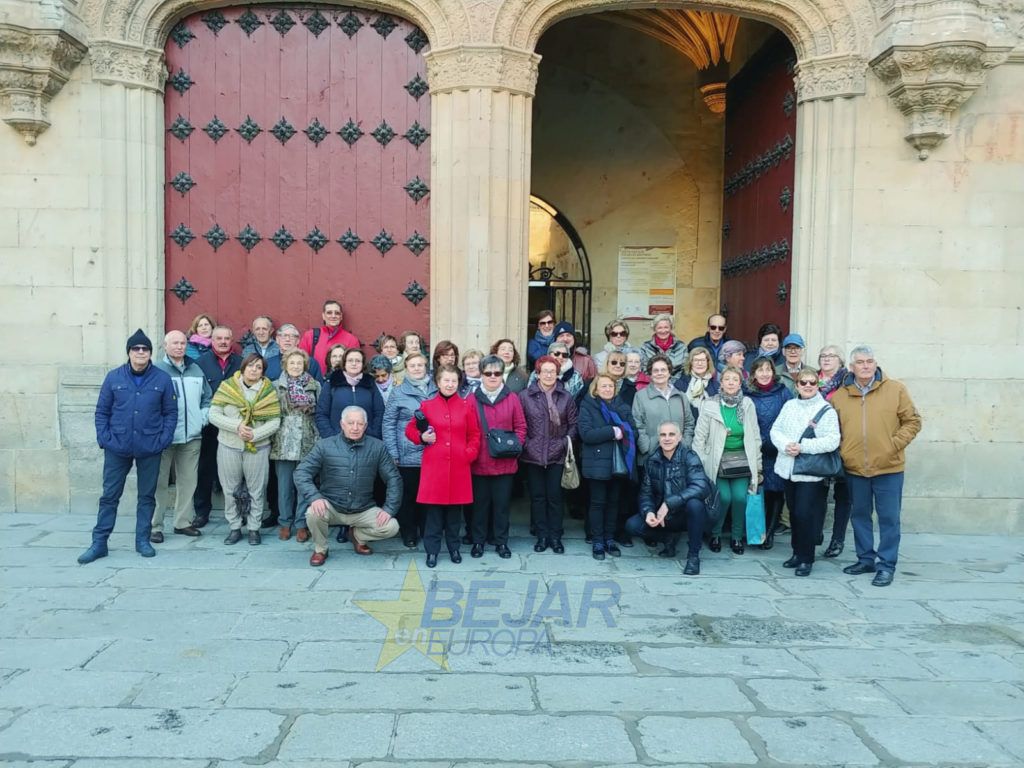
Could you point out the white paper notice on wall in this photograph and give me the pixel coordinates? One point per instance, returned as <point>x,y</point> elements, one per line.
<point>647,281</point>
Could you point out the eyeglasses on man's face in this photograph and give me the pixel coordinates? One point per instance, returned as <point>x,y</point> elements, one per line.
<point>716,327</point>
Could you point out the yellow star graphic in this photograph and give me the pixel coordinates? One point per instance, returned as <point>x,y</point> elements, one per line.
<point>404,620</point>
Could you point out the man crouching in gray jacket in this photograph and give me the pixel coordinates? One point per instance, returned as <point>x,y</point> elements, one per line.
<point>347,465</point>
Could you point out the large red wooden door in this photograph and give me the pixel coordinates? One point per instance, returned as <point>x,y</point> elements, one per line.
<point>297,168</point>
<point>757,229</point>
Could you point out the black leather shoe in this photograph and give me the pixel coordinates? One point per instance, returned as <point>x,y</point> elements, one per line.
<point>803,569</point>
<point>882,579</point>
<point>188,530</point>
<point>835,549</point>
<point>478,550</point>
<point>769,541</point>
<point>692,566</point>
<point>157,537</point>
<point>541,545</point>
<point>200,521</point>
<point>858,568</point>
<point>410,543</point>
<point>254,538</point>
<point>597,552</point>
<point>431,561</point>
<point>503,551</point>
<point>715,545</point>
<point>233,537</point>
<point>793,562</point>
<point>612,548</point>
<point>557,547</point>
<point>342,536</point>
<point>456,556</point>
<point>736,546</point>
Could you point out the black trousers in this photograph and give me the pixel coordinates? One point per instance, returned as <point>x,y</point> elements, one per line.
<point>841,495</point>
<point>693,517</point>
<point>546,499</point>
<point>442,522</point>
<point>411,516</point>
<point>604,509</point>
<point>206,473</point>
<point>806,503</point>
<point>492,495</point>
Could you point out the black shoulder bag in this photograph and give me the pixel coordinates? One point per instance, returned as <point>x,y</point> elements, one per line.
<point>818,464</point>
<point>501,443</point>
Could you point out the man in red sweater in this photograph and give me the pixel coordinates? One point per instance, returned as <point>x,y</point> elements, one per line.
<point>316,341</point>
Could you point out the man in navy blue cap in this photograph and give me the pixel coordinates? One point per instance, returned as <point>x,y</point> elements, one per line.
<point>792,361</point>
<point>136,414</point>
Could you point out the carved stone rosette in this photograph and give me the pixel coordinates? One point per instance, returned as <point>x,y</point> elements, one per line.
<point>127,64</point>
<point>482,66</point>
<point>34,66</point>
<point>928,83</point>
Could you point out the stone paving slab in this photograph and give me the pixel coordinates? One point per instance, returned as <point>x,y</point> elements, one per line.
<point>947,698</point>
<point>1008,734</point>
<point>24,576</point>
<point>681,585</point>
<point>338,737</point>
<point>205,690</point>
<point>26,653</point>
<point>814,740</point>
<point>359,692</point>
<point>980,611</point>
<point>235,578</point>
<point>510,737</point>
<point>149,625</point>
<point>708,739</point>
<point>36,688</point>
<point>873,664</point>
<point>824,696</point>
<point>971,665</point>
<point>724,605</point>
<point>645,695</point>
<point>167,733</point>
<point>200,655</point>
<point>914,638</point>
<point>934,741</point>
<point>24,599</point>
<point>891,611</point>
<point>736,662</point>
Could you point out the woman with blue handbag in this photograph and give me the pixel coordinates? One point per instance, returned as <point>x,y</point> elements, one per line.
<point>806,434</point>
<point>609,459</point>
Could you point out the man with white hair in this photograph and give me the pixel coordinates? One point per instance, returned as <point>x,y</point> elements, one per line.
<point>878,421</point>
<point>194,395</point>
<point>287,340</point>
<point>348,464</point>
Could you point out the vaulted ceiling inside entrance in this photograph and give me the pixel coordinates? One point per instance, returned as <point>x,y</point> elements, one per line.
<point>705,37</point>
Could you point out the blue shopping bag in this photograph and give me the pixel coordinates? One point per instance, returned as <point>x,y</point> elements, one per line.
<point>755,518</point>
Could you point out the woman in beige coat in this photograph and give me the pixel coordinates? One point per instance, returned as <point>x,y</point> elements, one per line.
<point>728,442</point>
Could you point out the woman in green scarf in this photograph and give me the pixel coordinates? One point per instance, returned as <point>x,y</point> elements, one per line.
<point>247,412</point>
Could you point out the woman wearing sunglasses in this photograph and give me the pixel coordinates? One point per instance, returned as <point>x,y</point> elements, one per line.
<point>569,376</point>
<point>617,333</point>
<point>805,495</point>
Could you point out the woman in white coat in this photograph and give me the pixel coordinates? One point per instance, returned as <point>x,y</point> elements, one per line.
<point>805,495</point>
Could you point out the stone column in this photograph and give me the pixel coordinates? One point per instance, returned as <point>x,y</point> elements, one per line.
<point>823,205</point>
<point>481,119</point>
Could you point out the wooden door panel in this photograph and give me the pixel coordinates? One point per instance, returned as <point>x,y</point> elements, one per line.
<point>296,186</point>
<point>757,227</point>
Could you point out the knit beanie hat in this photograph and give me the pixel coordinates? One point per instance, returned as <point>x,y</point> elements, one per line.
<point>379,362</point>
<point>138,339</point>
<point>564,327</point>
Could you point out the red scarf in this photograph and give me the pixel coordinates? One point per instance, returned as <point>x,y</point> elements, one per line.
<point>665,345</point>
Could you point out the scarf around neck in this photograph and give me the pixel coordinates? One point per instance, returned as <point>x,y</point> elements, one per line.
<point>628,438</point>
<point>665,345</point>
<point>733,401</point>
<point>264,407</point>
<point>298,398</point>
<point>202,341</point>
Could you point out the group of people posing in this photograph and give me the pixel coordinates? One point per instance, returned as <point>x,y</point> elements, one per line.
<point>667,436</point>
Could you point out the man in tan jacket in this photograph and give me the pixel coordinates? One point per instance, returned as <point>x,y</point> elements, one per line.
<point>878,420</point>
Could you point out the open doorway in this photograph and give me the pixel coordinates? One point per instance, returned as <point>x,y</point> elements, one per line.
<point>559,270</point>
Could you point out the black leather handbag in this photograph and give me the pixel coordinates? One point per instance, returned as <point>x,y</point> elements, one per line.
<point>817,464</point>
<point>501,443</point>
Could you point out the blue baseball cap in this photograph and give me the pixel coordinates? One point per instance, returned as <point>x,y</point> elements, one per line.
<point>795,340</point>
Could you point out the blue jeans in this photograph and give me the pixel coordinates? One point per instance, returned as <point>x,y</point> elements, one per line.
<point>287,495</point>
<point>885,494</point>
<point>115,472</point>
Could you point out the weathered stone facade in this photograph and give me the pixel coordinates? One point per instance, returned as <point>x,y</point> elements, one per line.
<point>920,258</point>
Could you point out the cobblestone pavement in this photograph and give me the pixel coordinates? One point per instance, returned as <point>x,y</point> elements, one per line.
<point>209,655</point>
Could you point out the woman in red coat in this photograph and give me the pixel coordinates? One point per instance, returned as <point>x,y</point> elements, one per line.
<point>450,430</point>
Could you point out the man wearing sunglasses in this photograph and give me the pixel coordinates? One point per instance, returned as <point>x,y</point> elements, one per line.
<point>136,414</point>
<point>714,338</point>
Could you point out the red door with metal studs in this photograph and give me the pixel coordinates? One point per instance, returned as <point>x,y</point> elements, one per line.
<point>757,214</point>
<point>297,169</point>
